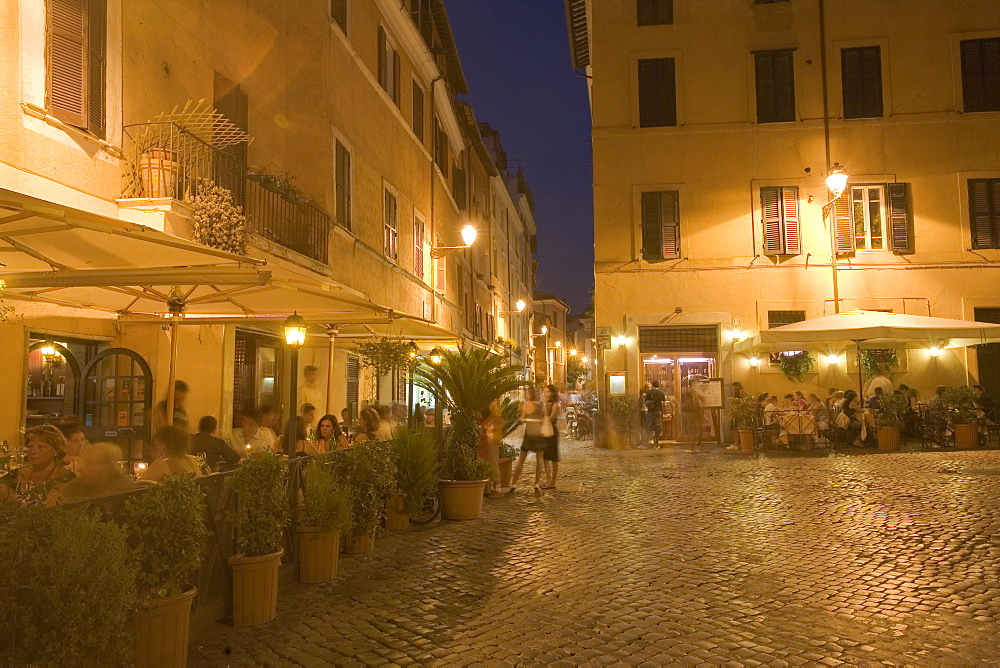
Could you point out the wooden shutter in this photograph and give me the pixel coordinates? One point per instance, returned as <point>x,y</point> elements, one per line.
<point>671,225</point>
<point>68,60</point>
<point>843,223</point>
<point>395,77</point>
<point>657,94</point>
<point>654,12</point>
<point>775,84</point>
<point>984,197</point>
<point>790,220</point>
<point>981,74</point>
<point>652,231</point>
<point>861,74</point>
<point>230,162</point>
<point>900,220</point>
<point>383,74</point>
<point>96,31</point>
<point>458,189</point>
<point>418,111</point>
<point>343,183</point>
<point>770,204</point>
<point>338,12</point>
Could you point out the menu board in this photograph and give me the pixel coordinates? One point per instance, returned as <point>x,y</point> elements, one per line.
<point>710,392</point>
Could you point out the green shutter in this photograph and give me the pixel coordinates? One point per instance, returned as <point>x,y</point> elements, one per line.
<point>671,224</point>
<point>770,205</point>
<point>652,230</point>
<point>654,12</point>
<point>900,220</point>
<point>657,93</point>
<point>790,220</point>
<point>383,74</point>
<point>68,60</point>
<point>343,183</point>
<point>981,74</point>
<point>775,85</point>
<point>861,76</point>
<point>984,196</point>
<point>96,31</point>
<point>843,223</point>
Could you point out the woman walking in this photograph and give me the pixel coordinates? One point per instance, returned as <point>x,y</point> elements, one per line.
<point>551,433</point>
<point>532,413</point>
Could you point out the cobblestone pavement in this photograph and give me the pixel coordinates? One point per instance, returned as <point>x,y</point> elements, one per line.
<point>671,558</point>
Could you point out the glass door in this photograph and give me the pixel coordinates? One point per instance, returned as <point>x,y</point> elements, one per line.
<point>663,368</point>
<point>694,419</point>
<point>115,401</point>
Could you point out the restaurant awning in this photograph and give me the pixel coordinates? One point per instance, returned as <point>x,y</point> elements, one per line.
<point>872,330</point>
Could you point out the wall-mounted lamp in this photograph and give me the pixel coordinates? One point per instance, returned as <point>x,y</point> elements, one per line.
<point>934,351</point>
<point>620,340</point>
<point>754,362</point>
<point>435,356</point>
<point>837,180</point>
<point>832,359</point>
<point>558,344</point>
<point>518,308</point>
<point>468,236</point>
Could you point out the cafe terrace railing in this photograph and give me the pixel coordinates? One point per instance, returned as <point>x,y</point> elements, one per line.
<point>214,578</point>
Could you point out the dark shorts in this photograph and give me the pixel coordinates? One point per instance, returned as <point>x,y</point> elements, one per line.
<point>551,450</point>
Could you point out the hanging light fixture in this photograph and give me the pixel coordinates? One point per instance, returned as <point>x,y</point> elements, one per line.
<point>295,330</point>
<point>837,180</point>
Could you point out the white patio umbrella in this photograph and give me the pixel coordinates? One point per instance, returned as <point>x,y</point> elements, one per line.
<point>872,330</point>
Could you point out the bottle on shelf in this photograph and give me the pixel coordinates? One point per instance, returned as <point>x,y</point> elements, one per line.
<point>30,389</point>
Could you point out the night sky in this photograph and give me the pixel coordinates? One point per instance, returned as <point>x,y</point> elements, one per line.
<point>515,54</point>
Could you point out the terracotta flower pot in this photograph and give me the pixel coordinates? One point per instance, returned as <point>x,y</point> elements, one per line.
<point>360,542</point>
<point>255,588</point>
<point>318,552</point>
<point>888,438</point>
<point>395,518</point>
<point>161,631</point>
<point>506,470</point>
<point>461,499</point>
<point>745,438</point>
<point>966,436</point>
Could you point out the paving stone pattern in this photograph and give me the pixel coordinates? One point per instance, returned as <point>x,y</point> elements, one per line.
<point>667,557</point>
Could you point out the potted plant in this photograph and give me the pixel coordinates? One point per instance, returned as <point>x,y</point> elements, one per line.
<point>369,472</point>
<point>508,453</point>
<point>167,535</point>
<point>890,411</point>
<point>623,412</point>
<point>795,365</point>
<point>261,516</point>
<point>218,221</point>
<point>960,403</point>
<point>467,381</point>
<point>416,477</point>
<point>325,512</point>
<point>463,475</point>
<point>69,587</point>
<point>743,414</point>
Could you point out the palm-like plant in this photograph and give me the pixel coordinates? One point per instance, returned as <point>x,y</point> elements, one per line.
<point>467,381</point>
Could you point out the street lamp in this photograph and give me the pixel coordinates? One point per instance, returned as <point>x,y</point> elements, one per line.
<point>836,182</point>
<point>468,237</point>
<point>518,308</point>
<point>295,335</point>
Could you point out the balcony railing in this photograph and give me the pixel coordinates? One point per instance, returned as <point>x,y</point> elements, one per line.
<point>296,225</point>
<point>179,153</point>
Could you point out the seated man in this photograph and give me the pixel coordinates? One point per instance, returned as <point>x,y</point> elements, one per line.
<point>252,438</point>
<point>218,455</point>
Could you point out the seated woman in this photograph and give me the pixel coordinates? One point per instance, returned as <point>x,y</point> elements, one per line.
<point>100,475</point>
<point>171,455</point>
<point>850,408</point>
<point>369,426</point>
<point>329,437</point>
<point>45,471</point>
<point>76,443</point>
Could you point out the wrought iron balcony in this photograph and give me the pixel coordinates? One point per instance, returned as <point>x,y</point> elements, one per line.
<point>287,219</point>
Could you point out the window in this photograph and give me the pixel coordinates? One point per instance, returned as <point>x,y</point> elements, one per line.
<point>861,74</point>
<point>654,12</point>
<point>874,216</point>
<point>230,162</point>
<point>343,186</point>
<point>338,13</point>
<point>440,266</point>
<point>657,96</point>
<point>780,211</point>
<point>981,74</point>
<point>660,226</point>
<point>775,86</point>
<point>781,318</point>
<point>458,189</point>
<point>440,148</point>
<point>418,247</point>
<point>388,66</point>
<point>353,383</point>
<point>391,214</point>
<point>420,12</point>
<point>984,212</point>
<point>418,111</point>
<point>75,40</point>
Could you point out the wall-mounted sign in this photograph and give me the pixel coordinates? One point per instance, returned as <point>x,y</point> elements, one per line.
<point>616,384</point>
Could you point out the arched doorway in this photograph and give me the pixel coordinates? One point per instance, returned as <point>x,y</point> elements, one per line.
<point>115,400</point>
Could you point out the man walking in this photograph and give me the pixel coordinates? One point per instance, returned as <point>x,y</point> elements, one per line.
<point>653,401</point>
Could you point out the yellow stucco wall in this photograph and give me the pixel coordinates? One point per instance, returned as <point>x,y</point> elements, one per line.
<point>718,158</point>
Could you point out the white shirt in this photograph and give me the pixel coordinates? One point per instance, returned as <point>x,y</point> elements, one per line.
<point>878,381</point>
<point>262,441</point>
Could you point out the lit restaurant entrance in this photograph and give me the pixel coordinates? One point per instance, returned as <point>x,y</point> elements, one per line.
<point>675,356</point>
